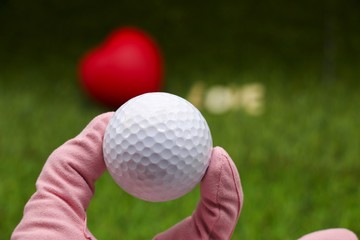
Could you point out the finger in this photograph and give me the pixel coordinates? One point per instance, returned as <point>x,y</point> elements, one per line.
<point>84,153</point>
<point>221,196</point>
<point>219,208</point>
<point>57,210</point>
<point>331,234</point>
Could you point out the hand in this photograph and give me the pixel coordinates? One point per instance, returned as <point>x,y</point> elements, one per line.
<point>220,204</point>
<point>57,210</point>
<point>66,184</point>
<point>330,234</point>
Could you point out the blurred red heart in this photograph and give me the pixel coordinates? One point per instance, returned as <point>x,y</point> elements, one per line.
<point>128,63</point>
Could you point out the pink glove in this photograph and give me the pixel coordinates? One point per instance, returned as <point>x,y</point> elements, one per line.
<point>65,187</point>
<point>331,234</point>
<point>57,210</point>
<point>219,208</point>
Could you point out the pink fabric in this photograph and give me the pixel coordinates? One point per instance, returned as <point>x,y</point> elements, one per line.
<point>219,208</point>
<point>331,234</point>
<point>57,210</point>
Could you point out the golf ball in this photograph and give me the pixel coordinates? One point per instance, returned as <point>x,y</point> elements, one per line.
<point>157,146</point>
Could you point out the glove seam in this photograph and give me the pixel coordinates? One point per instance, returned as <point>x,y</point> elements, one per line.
<point>217,201</point>
<point>236,186</point>
<point>237,193</point>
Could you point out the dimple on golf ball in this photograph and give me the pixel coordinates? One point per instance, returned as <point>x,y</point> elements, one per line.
<point>157,146</point>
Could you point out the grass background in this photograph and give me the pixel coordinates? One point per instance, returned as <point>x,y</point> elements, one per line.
<point>299,161</point>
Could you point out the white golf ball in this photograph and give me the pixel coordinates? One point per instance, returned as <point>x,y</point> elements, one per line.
<point>157,147</point>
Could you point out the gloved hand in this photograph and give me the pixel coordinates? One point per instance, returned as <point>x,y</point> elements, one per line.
<point>220,204</point>
<point>65,187</point>
<point>330,234</point>
<point>57,210</point>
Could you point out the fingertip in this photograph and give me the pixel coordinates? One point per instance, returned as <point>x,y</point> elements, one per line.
<point>105,116</point>
<point>222,177</point>
<point>217,159</point>
<point>349,234</point>
<point>221,195</point>
<point>331,234</point>
<point>221,161</point>
<point>100,122</point>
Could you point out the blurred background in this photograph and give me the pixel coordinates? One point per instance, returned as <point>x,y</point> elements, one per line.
<point>297,154</point>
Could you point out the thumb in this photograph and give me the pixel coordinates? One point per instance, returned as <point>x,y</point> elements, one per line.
<point>219,208</point>
<point>57,210</point>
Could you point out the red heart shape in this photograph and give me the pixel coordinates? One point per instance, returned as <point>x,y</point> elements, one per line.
<point>128,63</point>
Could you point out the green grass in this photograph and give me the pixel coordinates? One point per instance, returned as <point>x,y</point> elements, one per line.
<point>299,161</point>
